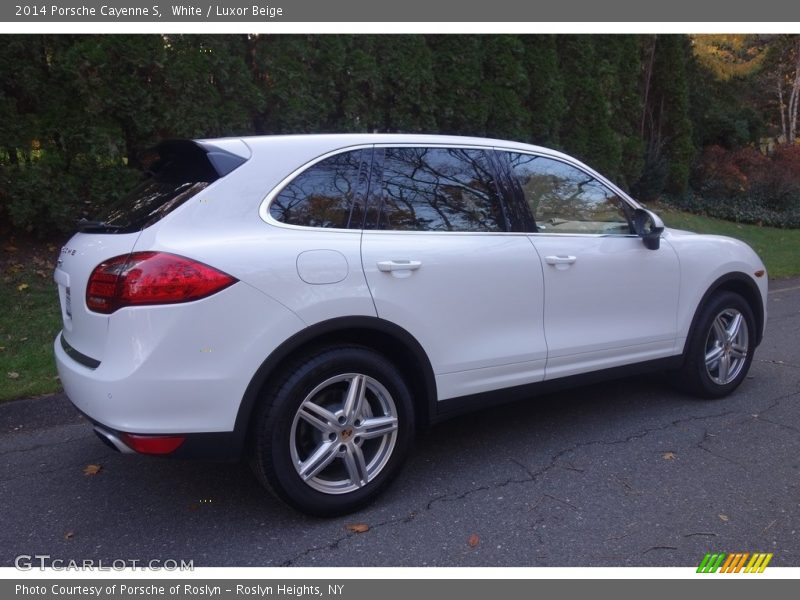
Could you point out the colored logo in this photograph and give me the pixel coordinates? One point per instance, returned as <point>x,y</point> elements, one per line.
<point>734,563</point>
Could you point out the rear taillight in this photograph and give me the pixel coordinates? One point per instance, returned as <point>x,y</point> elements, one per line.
<point>151,278</point>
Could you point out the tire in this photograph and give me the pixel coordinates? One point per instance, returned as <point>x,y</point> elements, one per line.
<point>717,362</point>
<point>333,430</point>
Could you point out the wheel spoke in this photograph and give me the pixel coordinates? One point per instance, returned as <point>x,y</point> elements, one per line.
<point>738,351</point>
<point>318,417</point>
<point>733,329</point>
<point>319,459</point>
<point>713,355</point>
<point>719,330</point>
<point>356,466</point>
<point>375,427</point>
<point>355,398</point>
<point>724,367</point>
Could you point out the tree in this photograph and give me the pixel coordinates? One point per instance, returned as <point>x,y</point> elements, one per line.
<point>505,87</point>
<point>586,130</point>
<point>546,101</point>
<point>295,72</point>
<point>407,90</point>
<point>460,105</point>
<point>666,123</point>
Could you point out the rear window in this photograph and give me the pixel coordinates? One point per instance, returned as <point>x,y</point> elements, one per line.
<point>174,172</point>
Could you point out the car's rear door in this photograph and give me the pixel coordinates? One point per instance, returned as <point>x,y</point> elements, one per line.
<point>441,263</point>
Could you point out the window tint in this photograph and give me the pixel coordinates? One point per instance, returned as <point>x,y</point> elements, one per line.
<point>174,172</point>
<point>564,199</point>
<point>327,194</point>
<point>439,189</point>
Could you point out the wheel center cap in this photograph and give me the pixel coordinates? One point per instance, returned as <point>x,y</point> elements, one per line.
<point>346,434</point>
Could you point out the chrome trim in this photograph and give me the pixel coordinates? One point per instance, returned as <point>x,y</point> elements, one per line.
<point>263,209</point>
<point>113,439</point>
<point>264,214</point>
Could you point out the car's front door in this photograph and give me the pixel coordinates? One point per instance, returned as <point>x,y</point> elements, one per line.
<point>609,301</point>
<point>440,262</point>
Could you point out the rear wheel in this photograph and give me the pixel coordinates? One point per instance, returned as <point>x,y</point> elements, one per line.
<point>333,431</point>
<point>721,347</point>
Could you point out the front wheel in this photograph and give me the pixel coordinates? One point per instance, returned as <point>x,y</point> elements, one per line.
<point>333,430</point>
<point>721,347</point>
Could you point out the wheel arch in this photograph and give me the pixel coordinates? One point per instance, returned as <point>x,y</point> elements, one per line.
<point>384,336</point>
<point>739,283</point>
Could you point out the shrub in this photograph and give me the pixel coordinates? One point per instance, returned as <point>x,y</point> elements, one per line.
<point>746,186</point>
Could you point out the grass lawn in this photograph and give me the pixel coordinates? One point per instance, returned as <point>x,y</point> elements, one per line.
<point>30,316</point>
<point>778,248</point>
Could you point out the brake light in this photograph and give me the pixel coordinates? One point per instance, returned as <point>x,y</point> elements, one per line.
<point>151,278</point>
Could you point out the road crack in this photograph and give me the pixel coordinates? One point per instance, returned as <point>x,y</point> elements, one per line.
<point>533,475</point>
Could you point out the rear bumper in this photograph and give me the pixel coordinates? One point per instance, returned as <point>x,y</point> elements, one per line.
<point>176,370</point>
<point>216,445</point>
<point>224,446</point>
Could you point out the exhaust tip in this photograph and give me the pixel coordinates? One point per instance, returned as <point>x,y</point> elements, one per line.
<point>111,440</point>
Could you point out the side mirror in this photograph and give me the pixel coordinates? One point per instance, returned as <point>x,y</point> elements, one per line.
<point>648,226</point>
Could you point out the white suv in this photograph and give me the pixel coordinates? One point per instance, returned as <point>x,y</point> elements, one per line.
<point>309,301</point>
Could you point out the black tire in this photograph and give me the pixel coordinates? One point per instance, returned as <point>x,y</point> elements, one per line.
<point>281,438</point>
<point>695,377</point>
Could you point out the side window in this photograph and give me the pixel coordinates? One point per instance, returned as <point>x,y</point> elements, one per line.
<point>327,194</point>
<point>439,189</point>
<point>564,199</point>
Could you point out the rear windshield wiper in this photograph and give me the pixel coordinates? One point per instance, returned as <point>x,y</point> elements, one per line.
<point>87,226</point>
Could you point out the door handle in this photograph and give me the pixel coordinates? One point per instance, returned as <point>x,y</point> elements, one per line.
<point>560,260</point>
<point>387,266</point>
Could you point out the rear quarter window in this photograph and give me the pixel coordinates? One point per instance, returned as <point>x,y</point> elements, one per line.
<point>327,194</point>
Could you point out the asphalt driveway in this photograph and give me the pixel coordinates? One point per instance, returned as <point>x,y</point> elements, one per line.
<point>628,473</point>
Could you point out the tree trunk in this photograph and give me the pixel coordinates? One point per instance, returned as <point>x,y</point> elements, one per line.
<point>648,73</point>
<point>794,98</point>
<point>782,108</point>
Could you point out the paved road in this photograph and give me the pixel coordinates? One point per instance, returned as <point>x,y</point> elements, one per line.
<point>624,473</point>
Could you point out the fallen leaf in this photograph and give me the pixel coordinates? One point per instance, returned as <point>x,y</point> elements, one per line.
<point>724,517</point>
<point>22,287</point>
<point>13,375</point>
<point>10,248</point>
<point>23,339</point>
<point>473,540</point>
<point>90,470</point>
<point>357,527</point>
<point>42,274</point>
<point>668,456</point>
<point>51,248</point>
<point>69,535</point>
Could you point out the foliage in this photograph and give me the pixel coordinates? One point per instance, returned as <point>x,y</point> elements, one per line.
<point>744,185</point>
<point>586,129</point>
<point>731,56</point>
<point>78,110</point>
<point>547,101</point>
